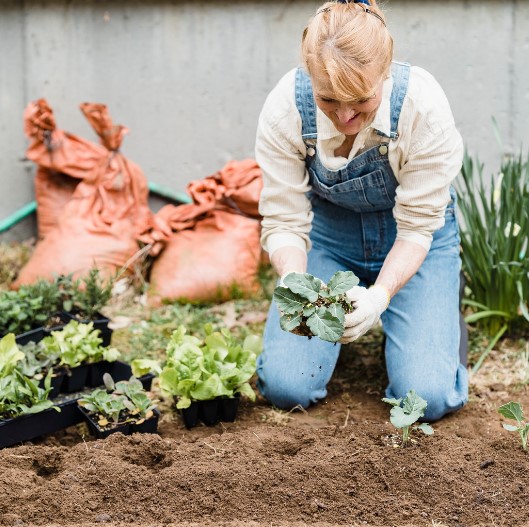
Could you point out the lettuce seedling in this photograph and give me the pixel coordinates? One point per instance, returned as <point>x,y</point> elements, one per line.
<point>76,344</point>
<point>310,307</point>
<point>514,411</point>
<point>219,365</point>
<point>403,417</point>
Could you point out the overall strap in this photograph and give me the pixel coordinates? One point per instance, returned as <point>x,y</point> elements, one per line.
<point>305,105</point>
<point>400,72</point>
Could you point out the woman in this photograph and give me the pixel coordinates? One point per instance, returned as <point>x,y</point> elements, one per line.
<point>358,154</point>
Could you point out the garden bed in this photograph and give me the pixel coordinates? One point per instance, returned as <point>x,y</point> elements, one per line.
<point>333,465</point>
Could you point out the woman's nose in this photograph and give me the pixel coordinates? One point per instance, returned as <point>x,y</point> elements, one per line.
<point>345,113</point>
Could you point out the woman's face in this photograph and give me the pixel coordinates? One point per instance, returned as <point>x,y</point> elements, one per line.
<point>351,116</point>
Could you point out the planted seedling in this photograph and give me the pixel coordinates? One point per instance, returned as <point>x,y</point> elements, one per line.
<point>405,416</point>
<point>514,411</point>
<point>310,307</point>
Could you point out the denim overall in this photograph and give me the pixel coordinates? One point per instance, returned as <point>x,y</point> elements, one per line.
<point>353,229</point>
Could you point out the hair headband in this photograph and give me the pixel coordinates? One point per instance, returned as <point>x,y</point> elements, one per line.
<point>364,3</point>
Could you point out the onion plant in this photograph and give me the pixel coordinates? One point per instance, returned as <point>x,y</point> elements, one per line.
<point>494,239</point>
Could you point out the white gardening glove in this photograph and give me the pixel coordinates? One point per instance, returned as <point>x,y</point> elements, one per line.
<point>369,304</point>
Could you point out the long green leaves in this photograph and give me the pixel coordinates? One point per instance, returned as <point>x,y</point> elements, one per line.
<point>494,239</point>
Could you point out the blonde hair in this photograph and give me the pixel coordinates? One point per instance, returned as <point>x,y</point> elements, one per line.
<point>350,44</point>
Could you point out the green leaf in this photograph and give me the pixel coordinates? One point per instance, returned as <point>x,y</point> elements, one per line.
<point>183,403</point>
<point>341,282</point>
<point>414,403</point>
<point>510,428</point>
<point>10,354</point>
<point>325,325</point>
<point>304,284</point>
<point>393,402</point>
<point>247,390</point>
<point>253,344</point>
<point>413,408</point>
<point>287,301</point>
<point>209,389</point>
<point>141,367</point>
<point>290,322</point>
<point>309,310</point>
<point>425,428</point>
<point>336,310</point>
<point>512,410</point>
<point>401,419</point>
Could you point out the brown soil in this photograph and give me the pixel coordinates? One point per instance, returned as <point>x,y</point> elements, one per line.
<point>337,464</point>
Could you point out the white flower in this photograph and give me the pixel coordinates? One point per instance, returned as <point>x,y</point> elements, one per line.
<point>515,230</point>
<point>497,189</point>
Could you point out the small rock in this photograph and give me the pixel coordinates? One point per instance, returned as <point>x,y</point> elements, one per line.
<point>103,518</point>
<point>486,463</point>
<point>497,387</point>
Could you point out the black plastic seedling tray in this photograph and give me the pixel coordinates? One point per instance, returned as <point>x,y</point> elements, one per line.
<point>27,427</point>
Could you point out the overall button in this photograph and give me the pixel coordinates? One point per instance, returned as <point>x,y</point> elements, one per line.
<point>383,150</point>
<point>311,152</point>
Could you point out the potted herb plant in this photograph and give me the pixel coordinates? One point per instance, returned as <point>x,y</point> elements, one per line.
<point>122,406</point>
<point>90,295</point>
<point>208,375</point>
<point>33,309</point>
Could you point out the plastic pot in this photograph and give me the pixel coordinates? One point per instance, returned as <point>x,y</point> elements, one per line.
<point>33,335</point>
<point>75,378</point>
<point>190,415</point>
<point>149,426</point>
<point>228,407</point>
<point>96,370</point>
<point>208,411</point>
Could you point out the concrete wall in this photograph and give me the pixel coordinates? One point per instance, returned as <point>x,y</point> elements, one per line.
<point>189,78</point>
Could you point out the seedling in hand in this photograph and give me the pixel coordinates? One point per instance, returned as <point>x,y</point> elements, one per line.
<point>514,411</point>
<point>310,307</point>
<point>405,416</point>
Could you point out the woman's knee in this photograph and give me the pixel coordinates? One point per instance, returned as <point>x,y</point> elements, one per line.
<point>286,389</point>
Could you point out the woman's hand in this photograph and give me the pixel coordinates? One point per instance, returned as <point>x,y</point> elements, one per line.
<point>368,305</point>
<point>401,263</point>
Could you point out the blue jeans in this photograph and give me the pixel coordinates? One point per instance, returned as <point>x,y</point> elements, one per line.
<point>421,323</point>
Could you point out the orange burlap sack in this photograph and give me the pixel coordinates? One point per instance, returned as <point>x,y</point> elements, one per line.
<point>209,248</point>
<point>62,160</point>
<point>100,224</point>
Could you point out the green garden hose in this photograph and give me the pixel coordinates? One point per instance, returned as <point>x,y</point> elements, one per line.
<point>30,208</point>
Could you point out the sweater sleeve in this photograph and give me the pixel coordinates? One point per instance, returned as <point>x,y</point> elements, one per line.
<point>434,157</point>
<point>280,152</point>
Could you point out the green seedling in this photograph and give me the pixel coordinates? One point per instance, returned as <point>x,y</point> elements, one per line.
<point>514,411</point>
<point>76,344</point>
<point>20,395</point>
<point>310,307</point>
<point>120,402</point>
<point>218,365</point>
<point>405,416</point>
